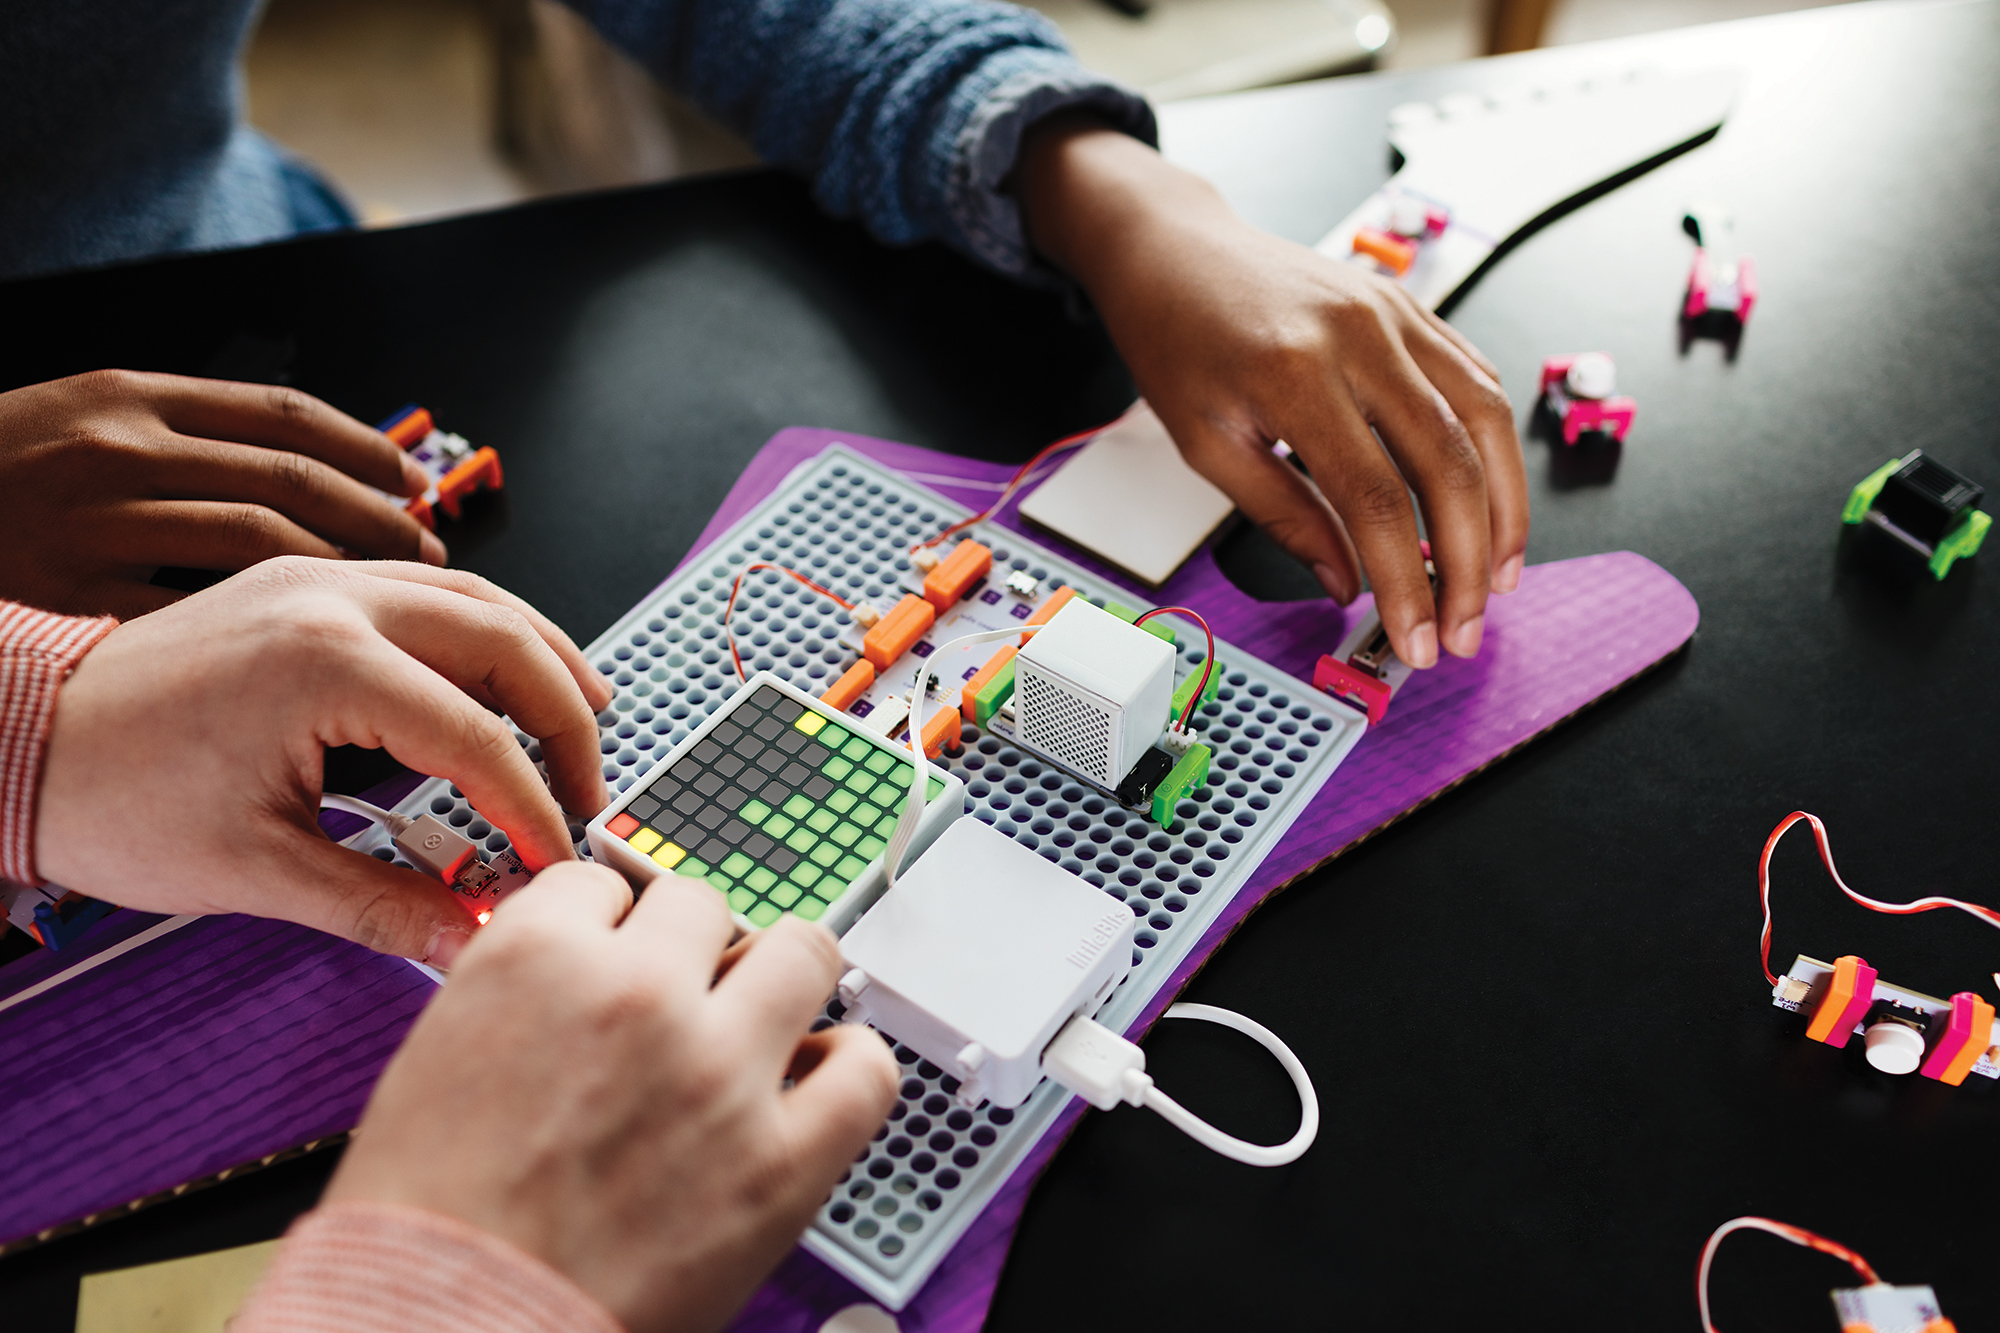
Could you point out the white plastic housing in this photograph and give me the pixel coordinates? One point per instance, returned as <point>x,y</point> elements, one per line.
<point>979,955</point>
<point>1092,692</point>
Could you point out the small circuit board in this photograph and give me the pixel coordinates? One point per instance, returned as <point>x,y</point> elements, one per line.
<point>1902,1031</point>
<point>1880,1307</point>
<point>493,871</point>
<point>975,691</point>
<point>455,468</point>
<point>50,914</point>
<point>1923,506</point>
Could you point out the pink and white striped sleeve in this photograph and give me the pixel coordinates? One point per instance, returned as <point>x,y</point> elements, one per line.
<point>385,1268</point>
<point>38,649</point>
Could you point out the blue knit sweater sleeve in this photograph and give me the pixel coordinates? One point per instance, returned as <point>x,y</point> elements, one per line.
<point>906,114</point>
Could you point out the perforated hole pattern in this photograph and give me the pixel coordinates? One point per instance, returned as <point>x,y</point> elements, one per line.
<point>1064,726</point>
<point>848,525</point>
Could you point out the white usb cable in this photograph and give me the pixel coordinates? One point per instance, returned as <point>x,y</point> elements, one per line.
<point>913,808</point>
<point>391,822</point>
<point>1104,1069</point>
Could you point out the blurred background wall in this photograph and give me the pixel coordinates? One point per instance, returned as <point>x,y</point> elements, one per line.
<point>419,108</point>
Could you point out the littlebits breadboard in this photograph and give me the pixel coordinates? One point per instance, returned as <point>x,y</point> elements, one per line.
<point>263,1037</point>
<point>848,523</point>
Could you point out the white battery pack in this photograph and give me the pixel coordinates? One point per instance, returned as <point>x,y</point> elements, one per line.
<point>979,955</point>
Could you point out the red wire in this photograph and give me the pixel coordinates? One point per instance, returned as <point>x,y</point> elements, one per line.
<point>1784,1230</point>
<point>1930,904</point>
<point>1207,666</point>
<point>1007,492</point>
<point>728,611</point>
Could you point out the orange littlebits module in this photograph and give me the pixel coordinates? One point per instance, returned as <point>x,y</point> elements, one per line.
<point>851,685</point>
<point>969,562</point>
<point>1057,601</point>
<point>896,633</point>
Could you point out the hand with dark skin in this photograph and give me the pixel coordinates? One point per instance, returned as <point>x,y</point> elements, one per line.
<point>108,476</point>
<point>1240,339</point>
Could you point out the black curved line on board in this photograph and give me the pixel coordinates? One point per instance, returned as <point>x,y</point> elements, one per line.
<point>1570,205</point>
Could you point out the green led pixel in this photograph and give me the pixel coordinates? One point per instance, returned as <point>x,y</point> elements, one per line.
<point>819,821</point>
<point>836,768</point>
<point>763,914</point>
<point>809,910</point>
<point>798,807</point>
<point>753,812</point>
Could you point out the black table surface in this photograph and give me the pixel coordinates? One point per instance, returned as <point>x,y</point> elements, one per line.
<point>1547,1060</point>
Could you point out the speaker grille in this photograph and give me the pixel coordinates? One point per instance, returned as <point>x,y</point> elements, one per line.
<point>1065,727</point>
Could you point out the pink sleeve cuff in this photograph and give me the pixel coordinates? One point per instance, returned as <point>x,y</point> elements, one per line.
<point>38,649</point>
<point>385,1268</point>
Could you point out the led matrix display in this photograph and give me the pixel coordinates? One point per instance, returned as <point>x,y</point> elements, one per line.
<point>777,807</point>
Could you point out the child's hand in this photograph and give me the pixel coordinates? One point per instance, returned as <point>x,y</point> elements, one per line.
<point>106,477</point>
<point>182,772</point>
<point>1239,339</point>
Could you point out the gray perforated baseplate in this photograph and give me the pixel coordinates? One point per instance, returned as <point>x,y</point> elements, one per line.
<point>847,523</point>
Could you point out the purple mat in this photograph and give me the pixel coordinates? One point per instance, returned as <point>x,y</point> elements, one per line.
<point>232,1040</point>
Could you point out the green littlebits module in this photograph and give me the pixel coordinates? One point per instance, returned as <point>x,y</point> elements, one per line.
<point>1924,506</point>
<point>780,804</point>
<point>1159,629</point>
<point>1188,774</point>
<point>1185,690</point>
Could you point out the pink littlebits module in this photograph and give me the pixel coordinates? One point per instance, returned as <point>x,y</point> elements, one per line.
<point>1580,390</point>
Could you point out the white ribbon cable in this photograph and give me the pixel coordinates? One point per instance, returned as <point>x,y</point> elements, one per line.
<point>913,808</point>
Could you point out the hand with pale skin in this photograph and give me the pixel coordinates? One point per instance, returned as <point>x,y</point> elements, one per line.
<point>109,476</point>
<point>587,1088</point>
<point>1239,339</point>
<point>183,764</point>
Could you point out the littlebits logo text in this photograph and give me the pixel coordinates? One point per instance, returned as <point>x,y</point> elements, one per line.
<point>1093,944</point>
